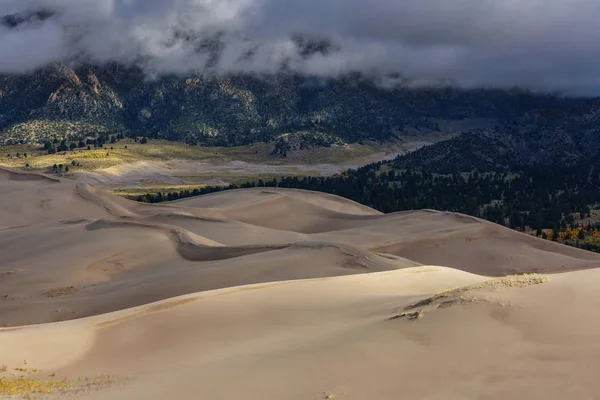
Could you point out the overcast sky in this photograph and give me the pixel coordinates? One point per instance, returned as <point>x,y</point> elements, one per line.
<point>539,44</point>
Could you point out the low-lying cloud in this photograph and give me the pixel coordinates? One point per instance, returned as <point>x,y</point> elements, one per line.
<point>538,44</point>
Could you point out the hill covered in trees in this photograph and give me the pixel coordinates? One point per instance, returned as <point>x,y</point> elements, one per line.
<point>560,137</point>
<point>62,102</point>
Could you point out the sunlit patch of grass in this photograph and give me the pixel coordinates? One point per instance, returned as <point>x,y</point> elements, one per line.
<point>466,294</point>
<point>125,151</point>
<point>133,193</point>
<point>24,387</point>
<point>491,285</point>
<point>130,151</point>
<point>29,383</point>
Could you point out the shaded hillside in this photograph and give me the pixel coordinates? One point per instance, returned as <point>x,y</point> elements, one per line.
<point>555,136</point>
<point>235,110</point>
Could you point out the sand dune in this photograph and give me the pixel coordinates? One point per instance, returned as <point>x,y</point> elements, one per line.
<point>270,293</point>
<point>275,341</point>
<point>233,198</point>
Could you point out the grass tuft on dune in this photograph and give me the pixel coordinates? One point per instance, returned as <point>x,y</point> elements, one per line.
<point>29,388</point>
<point>468,294</point>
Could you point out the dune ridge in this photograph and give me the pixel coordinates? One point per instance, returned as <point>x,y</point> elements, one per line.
<point>269,293</point>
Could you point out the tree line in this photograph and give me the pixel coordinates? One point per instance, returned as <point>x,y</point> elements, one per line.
<point>86,142</point>
<point>549,198</point>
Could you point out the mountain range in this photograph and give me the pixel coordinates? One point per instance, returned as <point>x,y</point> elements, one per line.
<point>60,101</point>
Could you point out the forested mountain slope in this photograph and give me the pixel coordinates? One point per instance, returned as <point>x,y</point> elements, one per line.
<point>233,110</point>
<point>559,137</point>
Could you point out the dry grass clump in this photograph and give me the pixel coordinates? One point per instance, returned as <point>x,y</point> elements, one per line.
<point>58,292</point>
<point>7,273</point>
<point>26,387</point>
<point>493,285</point>
<point>411,316</point>
<point>29,388</point>
<point>464,294</point>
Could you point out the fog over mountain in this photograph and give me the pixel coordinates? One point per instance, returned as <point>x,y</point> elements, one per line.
<point>547,45</point>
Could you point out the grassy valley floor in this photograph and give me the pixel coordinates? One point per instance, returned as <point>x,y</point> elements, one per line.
<point>131,168</point>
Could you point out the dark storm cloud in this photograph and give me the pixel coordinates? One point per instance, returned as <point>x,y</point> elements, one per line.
<point>551,44</point>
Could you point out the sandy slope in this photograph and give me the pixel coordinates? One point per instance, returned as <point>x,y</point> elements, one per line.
<point>276,341</point>
<point>271,293</point>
